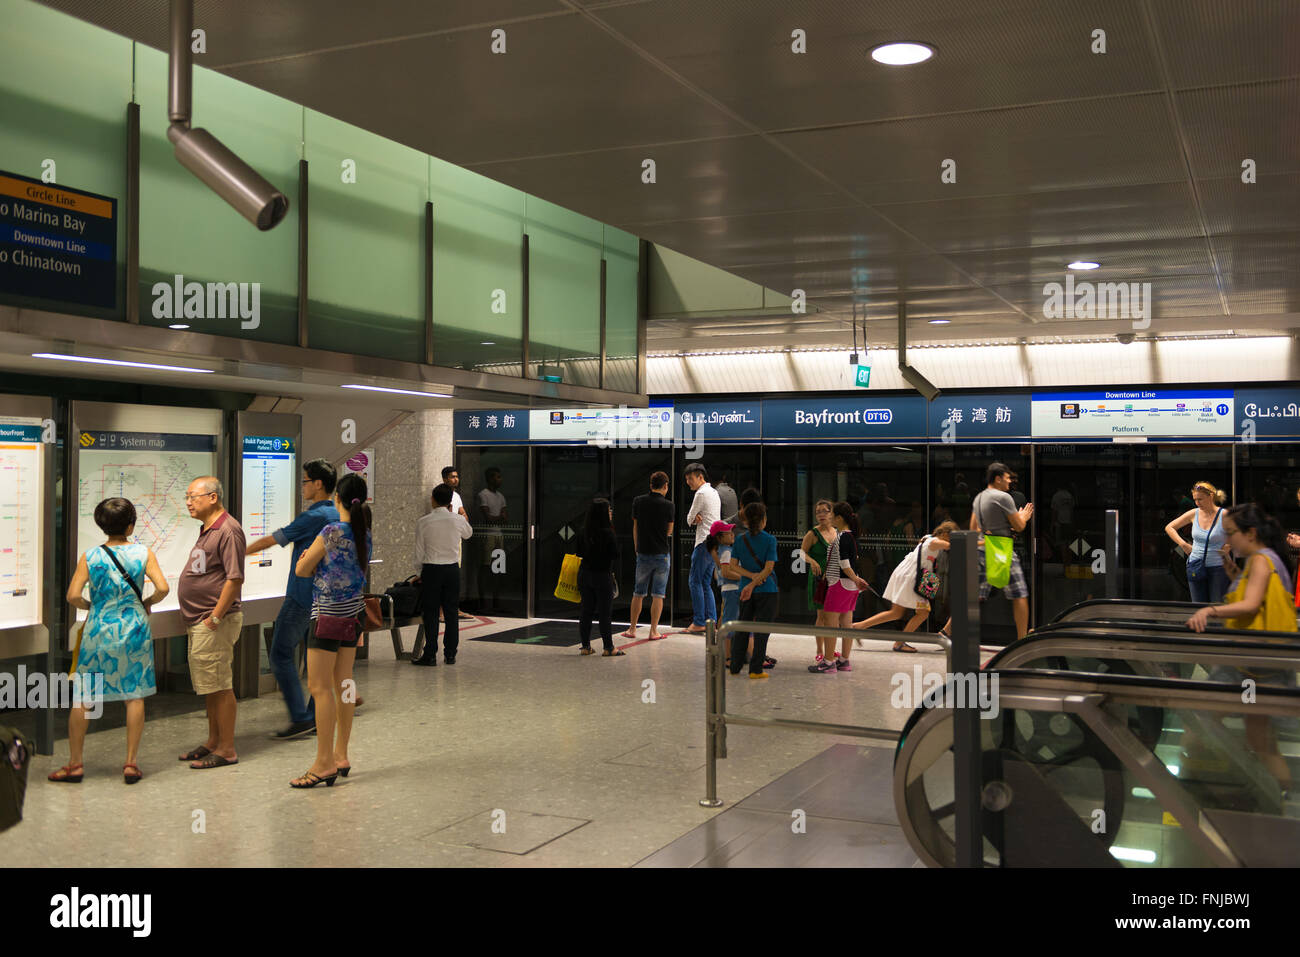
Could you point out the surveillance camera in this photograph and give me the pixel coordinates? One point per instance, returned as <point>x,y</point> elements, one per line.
<point>1125,337</point>
<point>228,176</point>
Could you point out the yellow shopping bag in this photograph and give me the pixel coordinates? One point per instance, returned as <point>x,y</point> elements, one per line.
<point>567,588</point>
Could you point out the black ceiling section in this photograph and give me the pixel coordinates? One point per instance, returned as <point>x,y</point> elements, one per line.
<point>821,170</point>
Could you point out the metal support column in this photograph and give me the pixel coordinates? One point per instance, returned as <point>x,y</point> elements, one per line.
<point>304,191</point>
<point>714,711</point>
<point>963,578</point>
<point>132,290</point>
<point>1112,553</point>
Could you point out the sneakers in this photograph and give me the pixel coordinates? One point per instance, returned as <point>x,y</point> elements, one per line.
<point>843,665</point>
<point>769,662</point>
<point>823,667</point>
<point>296,730</point>
<point>761,674</point>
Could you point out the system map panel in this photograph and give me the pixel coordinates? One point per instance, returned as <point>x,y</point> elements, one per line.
<point>21,515</point>
<point>152,470</point>
<point>269,494</point>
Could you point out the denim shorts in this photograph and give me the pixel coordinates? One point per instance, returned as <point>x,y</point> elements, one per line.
<point>651,575</point>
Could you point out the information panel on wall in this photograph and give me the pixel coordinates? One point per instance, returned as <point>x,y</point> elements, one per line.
<point>57,243</point>
<point>1135,414</point>
<point>22,510</point>
<point>623,426</point>
<point>152,470</point>
<point>269,497</point>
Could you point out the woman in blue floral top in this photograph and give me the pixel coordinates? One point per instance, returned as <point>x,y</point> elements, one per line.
<point>336,562</point>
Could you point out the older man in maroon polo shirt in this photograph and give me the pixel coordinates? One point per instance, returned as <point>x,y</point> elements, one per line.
<point>208,591</point>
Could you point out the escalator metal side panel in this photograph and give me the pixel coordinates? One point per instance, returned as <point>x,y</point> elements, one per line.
<point>1148,768</point>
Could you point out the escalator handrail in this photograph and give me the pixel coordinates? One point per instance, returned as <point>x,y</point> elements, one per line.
<point>1095,602</point>
<point>1127,627</point>
<point>1113,684</point>
<point>1219,653</point>
<point>1189,641</point>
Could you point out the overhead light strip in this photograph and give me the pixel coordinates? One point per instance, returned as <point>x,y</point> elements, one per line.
<point>378,388</point>
<point>117,362</point>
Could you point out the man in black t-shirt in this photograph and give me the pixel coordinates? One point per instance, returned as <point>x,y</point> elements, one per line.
<point>652,530</point>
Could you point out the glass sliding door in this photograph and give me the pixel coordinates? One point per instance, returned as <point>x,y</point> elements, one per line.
<point>1269,475</point>
<point>884,484</point>
<point>956,476</point>
<point>494,569</point>
<point>737,465</point>
<point>630,471</point>
<point>1076,485</point>
<point>1163,476</point>
<point>566,480</point>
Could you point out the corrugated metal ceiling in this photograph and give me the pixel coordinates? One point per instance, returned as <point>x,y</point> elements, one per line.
<point>821,170</point>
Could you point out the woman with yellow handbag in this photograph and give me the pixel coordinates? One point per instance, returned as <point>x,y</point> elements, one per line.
<point>598,549</point>
<point>1259,600</point>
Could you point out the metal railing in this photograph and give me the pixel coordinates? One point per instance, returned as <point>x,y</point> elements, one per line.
<point>715,689</point>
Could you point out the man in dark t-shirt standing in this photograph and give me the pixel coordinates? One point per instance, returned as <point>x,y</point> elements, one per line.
<point>652,530</point>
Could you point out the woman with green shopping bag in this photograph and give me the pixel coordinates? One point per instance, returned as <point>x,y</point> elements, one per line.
<point>995,514</point>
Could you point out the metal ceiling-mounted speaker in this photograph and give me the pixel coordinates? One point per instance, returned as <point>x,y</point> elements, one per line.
<point>202,153</point>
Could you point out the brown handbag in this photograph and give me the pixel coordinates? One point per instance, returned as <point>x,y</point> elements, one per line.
<point>374,619</point>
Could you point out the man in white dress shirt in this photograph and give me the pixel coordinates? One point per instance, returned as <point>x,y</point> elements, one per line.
<point>706,508</point>
<point>437,550</point>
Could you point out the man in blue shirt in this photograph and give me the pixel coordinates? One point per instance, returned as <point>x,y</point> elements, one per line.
<point>319,478</point>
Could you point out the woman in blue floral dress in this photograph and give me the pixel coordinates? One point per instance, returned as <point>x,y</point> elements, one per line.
<point>116,643</point>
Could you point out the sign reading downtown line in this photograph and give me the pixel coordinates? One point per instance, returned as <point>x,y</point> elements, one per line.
<point>57,244</point>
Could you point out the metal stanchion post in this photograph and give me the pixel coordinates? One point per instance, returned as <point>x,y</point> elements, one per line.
<point>967,779</point>
<point>720,699</point>
<point>712,713</point>
<point>1112,553</point>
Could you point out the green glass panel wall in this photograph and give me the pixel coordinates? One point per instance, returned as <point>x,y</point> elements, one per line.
<point>478,228</point>
<point>366,242</point>
<point>64,90</point>
<point>621,251</point>
<point>187,230</point>
<point>564,292</point>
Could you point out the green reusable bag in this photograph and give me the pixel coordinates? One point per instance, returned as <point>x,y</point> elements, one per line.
<point>997,560</point>
<point>998,552</point>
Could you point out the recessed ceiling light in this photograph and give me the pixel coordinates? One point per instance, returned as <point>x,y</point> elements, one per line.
<point>117,362</point>
<point>902,54</point>
<point>377,388</point>
<point>178,325</point>
<point>1082,264</point>
<point>940,322</point>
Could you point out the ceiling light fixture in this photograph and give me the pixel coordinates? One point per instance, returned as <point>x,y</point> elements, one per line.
<point>902,54</point>
<point>940,322</point>
<point>117,362</point>
<point>1083,264</point>
<point>178,325</point>
<point>379,388</point>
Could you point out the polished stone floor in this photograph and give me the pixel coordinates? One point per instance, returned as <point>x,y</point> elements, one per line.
<point>519,755</point>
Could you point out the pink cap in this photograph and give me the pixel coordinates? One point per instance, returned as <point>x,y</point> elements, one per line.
<point>717,528</point>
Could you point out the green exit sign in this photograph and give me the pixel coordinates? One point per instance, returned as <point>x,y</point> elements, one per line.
<point>864,377</point>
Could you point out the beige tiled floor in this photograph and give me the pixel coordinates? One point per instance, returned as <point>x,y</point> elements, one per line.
<point>559,748</point>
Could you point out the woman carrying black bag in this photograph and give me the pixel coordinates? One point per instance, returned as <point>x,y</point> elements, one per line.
<point>116,644</point>
<point>598,548</point>
<point>1206,578</point>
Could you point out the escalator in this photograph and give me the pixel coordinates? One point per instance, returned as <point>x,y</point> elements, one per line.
<point>1106,770</point>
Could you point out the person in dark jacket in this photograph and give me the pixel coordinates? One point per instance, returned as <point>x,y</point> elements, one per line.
<point>598,549</point>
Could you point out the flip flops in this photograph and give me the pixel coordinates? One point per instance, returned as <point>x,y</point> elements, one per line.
<point>202,751</point>
<point>212,760</point>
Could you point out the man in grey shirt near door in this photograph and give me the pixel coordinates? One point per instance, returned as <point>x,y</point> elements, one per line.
<point>994,512</point>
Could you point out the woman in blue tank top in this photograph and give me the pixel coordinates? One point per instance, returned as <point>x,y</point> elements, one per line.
<point>1206,578</point>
